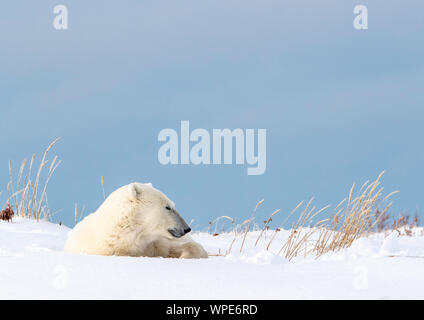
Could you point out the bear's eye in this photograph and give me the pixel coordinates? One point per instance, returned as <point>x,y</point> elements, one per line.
<point>168,208</point>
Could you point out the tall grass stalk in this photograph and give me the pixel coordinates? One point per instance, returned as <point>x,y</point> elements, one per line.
<point>29,194</point>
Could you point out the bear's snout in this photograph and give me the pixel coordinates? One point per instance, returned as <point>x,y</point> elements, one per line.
<point>178,233</point>
<point>180,226</point>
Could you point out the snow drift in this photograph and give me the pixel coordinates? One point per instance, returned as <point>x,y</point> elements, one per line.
<point>33,265</point>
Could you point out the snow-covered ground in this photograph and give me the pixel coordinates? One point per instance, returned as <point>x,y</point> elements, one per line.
<point>34,266</point>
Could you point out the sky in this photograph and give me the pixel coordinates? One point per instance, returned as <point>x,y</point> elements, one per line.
<point>340,105</point>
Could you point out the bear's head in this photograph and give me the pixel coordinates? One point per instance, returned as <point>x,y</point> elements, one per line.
<point>147,209</point>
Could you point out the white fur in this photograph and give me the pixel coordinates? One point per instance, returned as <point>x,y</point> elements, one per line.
<point>134,221</point>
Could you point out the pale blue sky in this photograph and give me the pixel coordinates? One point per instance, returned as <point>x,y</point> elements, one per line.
<point>340,105</point>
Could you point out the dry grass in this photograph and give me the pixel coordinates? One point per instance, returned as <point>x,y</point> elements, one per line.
<point>405,225</point>
<point>356,219</point>
<point>266,225</point>
<point>353,218</point>
<point>301,233</point>
<point>356,216</point>
<point>249,222</point>
<point>27,192</point>
<point>80,216</point>
<point>103,188</point>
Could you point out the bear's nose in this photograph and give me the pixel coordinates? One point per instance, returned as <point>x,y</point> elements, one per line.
<point>187,230</point>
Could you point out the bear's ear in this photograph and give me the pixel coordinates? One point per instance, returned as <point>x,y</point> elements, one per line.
<point>136,190</point>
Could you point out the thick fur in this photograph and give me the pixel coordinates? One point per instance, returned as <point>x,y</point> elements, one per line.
<point>135,220</point>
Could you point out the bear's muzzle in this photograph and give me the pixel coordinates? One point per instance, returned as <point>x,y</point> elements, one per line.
<point>178,233</point>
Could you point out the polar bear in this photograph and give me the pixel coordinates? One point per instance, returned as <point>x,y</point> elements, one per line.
<point>135,220</point>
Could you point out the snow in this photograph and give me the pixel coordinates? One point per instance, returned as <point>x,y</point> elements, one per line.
<point>34,266</point>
